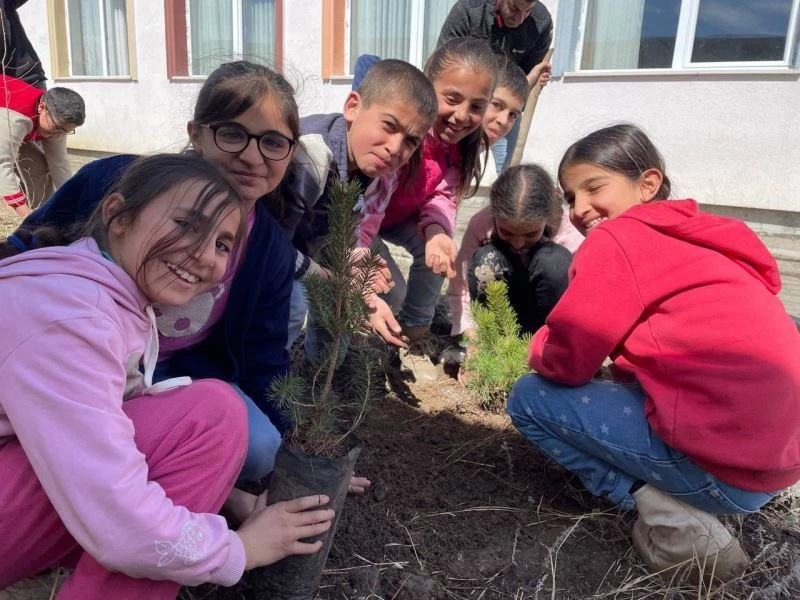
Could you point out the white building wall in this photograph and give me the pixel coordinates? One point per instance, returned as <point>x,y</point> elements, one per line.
<point>727,139</point>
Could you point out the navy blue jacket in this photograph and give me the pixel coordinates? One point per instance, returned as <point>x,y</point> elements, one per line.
<point>247,345</point>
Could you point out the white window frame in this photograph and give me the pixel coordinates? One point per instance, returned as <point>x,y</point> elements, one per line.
<point>417,29</point>
<point>572,15</point>
<point>103,45</point>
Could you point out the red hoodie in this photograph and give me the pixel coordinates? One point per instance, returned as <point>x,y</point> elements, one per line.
<point>685,302</point>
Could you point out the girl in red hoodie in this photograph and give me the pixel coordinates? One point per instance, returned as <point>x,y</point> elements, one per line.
<point>685,305</point>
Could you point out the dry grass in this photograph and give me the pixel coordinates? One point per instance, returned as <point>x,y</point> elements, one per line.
<point>8,223</point>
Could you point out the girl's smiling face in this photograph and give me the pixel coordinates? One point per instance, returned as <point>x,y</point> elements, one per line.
<point>463,94</point>
<point>255,176</point>
<point>595,194</point>
<point>173,251</point>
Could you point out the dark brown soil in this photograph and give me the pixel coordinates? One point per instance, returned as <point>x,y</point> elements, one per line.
<point>462,507</point>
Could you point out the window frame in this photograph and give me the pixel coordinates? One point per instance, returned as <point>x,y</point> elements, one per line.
<point>177,34</point>
<point>572,16</point>
<point>336,37</point>
<point>60,55</point>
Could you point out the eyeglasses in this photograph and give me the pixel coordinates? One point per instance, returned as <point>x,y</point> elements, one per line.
<point>233,138</point>
<point>55,126</point>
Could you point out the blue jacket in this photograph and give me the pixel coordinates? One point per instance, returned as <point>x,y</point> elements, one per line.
<point>247,346</point>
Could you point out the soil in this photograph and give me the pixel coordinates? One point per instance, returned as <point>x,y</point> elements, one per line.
<point>463,507</point>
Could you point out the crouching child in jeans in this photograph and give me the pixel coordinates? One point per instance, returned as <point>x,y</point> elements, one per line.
<point>702,417</point>
<point>381,127</point>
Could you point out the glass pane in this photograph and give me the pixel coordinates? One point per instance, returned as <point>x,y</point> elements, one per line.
<point>613,34</point>
<point>741,30</point>
<point>659,29</point>
<point>258,30</point>
<point>380,27</point>
<point>85,37</point>
<point>211,27</point>
<point>116,37</point>
<point>436,12</point>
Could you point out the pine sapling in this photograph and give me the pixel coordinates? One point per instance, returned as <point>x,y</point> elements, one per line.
<point>328,403</point>
<point>500,355</point>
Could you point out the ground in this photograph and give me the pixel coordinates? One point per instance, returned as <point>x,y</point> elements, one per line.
<point>462,507</point>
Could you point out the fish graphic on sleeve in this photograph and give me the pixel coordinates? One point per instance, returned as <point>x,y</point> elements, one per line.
<point>191,546</point>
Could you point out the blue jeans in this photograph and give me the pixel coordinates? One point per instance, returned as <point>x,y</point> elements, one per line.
<point>298,307</point>
<point>599,431</point>
<point>414,301</point>
<point>263,438</point>
<point>503,149</point>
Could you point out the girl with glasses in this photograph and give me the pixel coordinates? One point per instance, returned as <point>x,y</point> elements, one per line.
<point>246,122</point>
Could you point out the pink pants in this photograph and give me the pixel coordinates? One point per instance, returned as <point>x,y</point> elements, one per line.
<point>194,440</point>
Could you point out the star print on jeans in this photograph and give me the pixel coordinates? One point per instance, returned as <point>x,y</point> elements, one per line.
<point>585,399</point>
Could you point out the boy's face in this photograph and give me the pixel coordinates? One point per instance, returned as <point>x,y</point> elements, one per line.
<point>503,111</point>
<point>381,137</point>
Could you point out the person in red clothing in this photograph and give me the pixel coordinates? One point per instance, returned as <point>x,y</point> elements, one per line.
<point>702,415</point>
<point>32,142</point>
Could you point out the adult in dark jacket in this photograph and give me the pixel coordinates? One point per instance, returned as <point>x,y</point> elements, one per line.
<point>239,334</point>
<point>19,59</point>
<point>523,29</point>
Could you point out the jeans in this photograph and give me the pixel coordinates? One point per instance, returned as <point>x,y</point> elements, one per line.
<point>298,308</point>
<point>599,431</point>
<point>503,149</point>
<point>414,301</point>
<point>533,290</point>
<point>263,438</point>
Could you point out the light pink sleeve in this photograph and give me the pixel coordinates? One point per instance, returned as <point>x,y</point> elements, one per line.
<point>373,207</point>
<point>81,446</point>
<point>567,235</point>
<point>478,230</point>
<point>440,207</point>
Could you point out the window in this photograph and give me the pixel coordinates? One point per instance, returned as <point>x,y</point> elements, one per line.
<point>404,29</point>
<point>93,38</point>
<point>202,34</point>
<point>682,34</point>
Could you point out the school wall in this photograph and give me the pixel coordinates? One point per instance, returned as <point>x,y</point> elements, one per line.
<point>729,140</point>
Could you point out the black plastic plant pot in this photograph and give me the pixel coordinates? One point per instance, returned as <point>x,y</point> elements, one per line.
<point>295,475</point>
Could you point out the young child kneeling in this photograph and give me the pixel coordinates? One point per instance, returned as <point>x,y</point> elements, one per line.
<point>102,470</point>
<point>685,305</point>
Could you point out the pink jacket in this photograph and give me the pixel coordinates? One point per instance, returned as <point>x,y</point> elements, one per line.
<point>432,197</point>
<point>86,319</point>
<point>479,232</point>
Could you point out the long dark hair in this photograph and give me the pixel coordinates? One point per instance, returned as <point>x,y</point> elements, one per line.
<point>476,54</point>
<point>527,194</point>
<point>621,148</point>
<point>144,180</point>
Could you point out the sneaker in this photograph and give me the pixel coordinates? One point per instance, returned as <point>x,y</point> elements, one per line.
<point>416,358</point>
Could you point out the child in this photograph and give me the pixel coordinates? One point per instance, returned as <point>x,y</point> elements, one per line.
<point>245,122</point>
<point>379,130</point>
<point>420,216</point>
<point>511,241</point>
<point>507,102</point>
<point>126,493</point>
<point>685,305</point>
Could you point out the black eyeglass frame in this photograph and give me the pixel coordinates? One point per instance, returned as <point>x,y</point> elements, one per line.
<point>250,136</point>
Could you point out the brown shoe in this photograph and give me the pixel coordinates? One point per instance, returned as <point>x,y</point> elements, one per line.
<point>672,535</point>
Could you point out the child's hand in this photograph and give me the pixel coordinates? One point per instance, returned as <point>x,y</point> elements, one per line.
<point>358,485</point>
<point>239,505</point>
<point>381,281</point>
<point>440,251</point>
<point>540,74</point>
<point>382,321</point>
<point>274,532</point>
